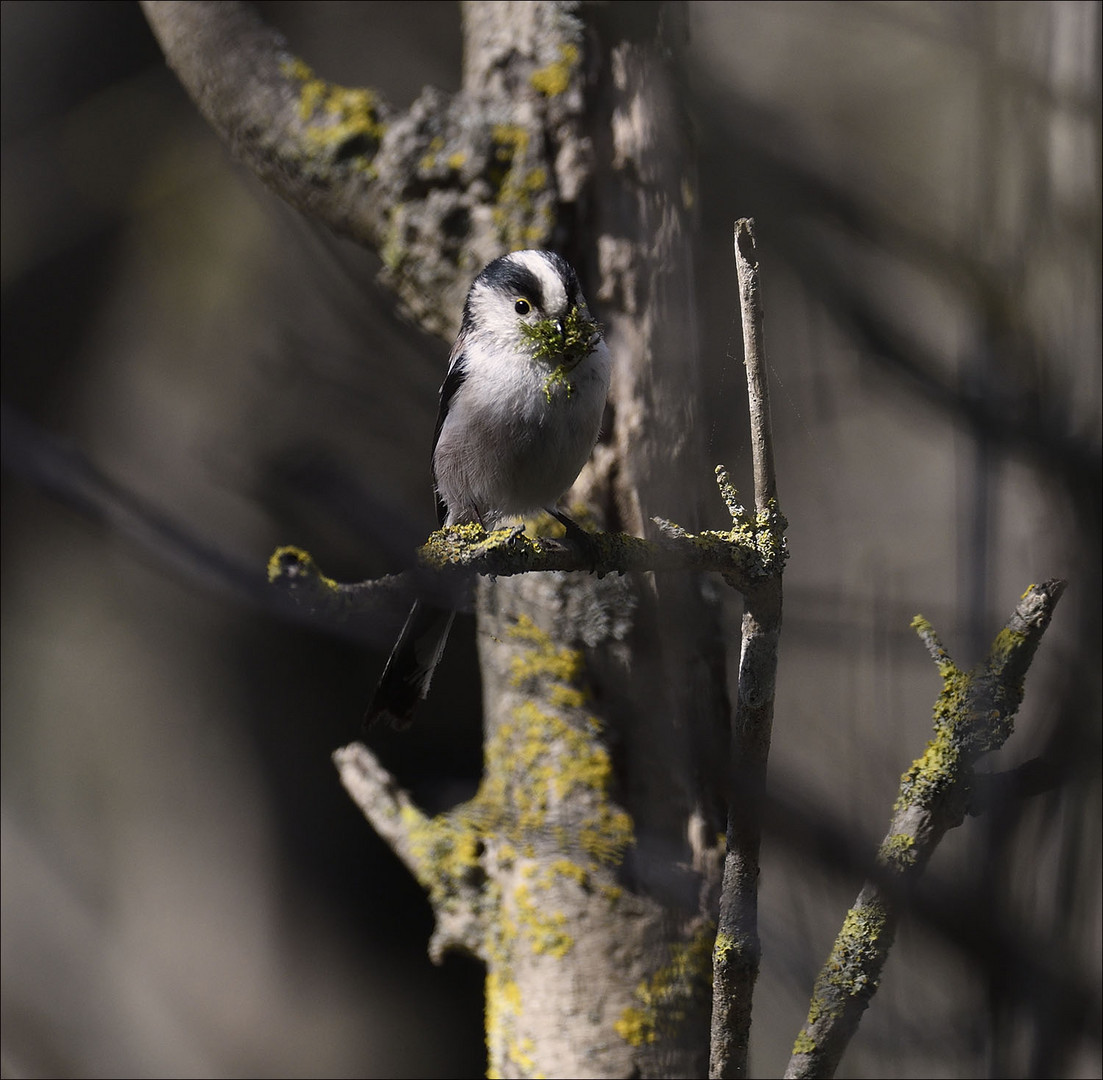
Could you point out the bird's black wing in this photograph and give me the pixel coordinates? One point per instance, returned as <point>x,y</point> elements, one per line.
<point>453,380</point>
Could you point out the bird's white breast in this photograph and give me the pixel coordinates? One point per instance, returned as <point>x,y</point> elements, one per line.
<point>514,439</point>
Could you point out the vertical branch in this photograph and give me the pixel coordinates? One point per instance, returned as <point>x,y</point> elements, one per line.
<point>754,358</point>
<point>736,955</point>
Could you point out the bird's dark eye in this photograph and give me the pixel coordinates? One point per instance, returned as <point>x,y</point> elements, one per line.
<point>522,306</point>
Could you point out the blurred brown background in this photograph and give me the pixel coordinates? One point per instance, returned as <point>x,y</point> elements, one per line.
<point>186,889</point>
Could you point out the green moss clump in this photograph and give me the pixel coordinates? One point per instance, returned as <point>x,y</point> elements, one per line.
<point>564,344</point>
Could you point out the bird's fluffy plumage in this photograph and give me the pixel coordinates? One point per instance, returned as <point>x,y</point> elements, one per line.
<point>511,437</point>
<point>520,411</point>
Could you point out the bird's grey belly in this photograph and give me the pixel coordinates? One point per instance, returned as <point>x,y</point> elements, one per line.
<point>512,466</point>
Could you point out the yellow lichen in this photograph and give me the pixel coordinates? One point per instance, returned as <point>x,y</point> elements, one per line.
<point>523,210</point>
<point>521,1054</point>
<point>445,850</point>
<point>663,1000</point>
<point>566,868</point>
<point>290,562</point>
<point>545,931</point>
<point>337,116</point>
<point>723,947</point>
<point>543,659</point>
<point>855,954</point>
<point>554,79</point>
<point>898,851</point>
<point>635,1027</point>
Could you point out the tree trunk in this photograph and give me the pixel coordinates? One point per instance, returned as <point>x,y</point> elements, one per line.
<point>605,699</point>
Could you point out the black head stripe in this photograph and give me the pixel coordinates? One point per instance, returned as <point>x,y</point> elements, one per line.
<point>506,276</point>
<point>566,275</point>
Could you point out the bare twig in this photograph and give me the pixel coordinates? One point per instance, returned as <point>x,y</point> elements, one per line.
<point>736,955</point>
<point>973,716</point>
<point>754,358</point>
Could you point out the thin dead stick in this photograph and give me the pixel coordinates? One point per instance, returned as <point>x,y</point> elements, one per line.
<point>736,955</point>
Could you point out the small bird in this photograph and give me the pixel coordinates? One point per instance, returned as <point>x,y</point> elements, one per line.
<point>520,411</point>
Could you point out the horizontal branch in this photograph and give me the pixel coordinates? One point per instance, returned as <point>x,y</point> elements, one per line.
<point>751,552</point>
<point>973,716</point>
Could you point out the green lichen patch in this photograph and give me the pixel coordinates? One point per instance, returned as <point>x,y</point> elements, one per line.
<point>452,547</point>
<point>663,1001</point>
<point>973,715</point>
<point>849,974</point>
<point>555,78</point>
<point>345,122</point>
<point>858,950</point>
<point>898,852</point>
<point>760,534</point>
<point>930,776</point>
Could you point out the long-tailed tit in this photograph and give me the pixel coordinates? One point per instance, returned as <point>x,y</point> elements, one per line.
<point>520,411</point>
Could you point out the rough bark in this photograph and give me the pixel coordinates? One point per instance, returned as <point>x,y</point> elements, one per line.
<point>623,846</point>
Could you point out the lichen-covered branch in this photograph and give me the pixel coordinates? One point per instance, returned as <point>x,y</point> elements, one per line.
<point>313,142</point>
<point>737,949</point>
<point>746,555</point>
<point>973,716</point>
<point>528,874</point>
<point>439,189</point>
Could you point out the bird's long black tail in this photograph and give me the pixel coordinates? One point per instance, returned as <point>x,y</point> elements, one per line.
<point>410,667</point>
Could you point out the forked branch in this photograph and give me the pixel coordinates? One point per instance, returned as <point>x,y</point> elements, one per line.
<point>973,716</point>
